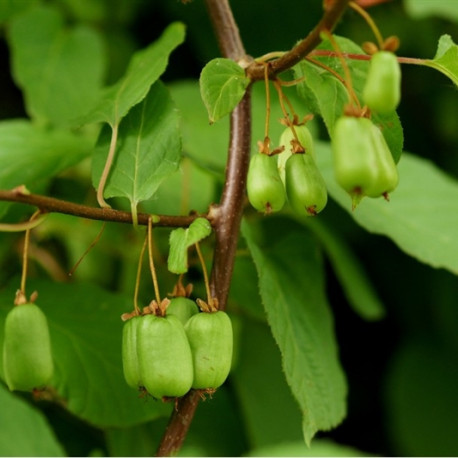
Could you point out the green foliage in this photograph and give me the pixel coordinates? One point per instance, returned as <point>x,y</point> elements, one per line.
<point>421,216</point>
<point>82,69</point>
<point>424,8</point>
<point>24,430</point>
<point>145,67</point>
<point>32,155</point>
<point>291,287</point>
<point>446,58</point>
<point>59,69</point>
<point>86,329</point>
<point>328,96</point>
<point>222,85</point>
<point>422,382</point>
<point>148,152</point>
<point>181,239</point>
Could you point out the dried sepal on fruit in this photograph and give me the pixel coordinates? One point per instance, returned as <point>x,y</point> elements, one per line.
<point>27,353</point>
<point>291,145</point>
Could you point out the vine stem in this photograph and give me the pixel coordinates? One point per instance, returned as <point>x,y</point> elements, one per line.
<point>52,205</point>
<point>328,22</point>
<point>227,215</point>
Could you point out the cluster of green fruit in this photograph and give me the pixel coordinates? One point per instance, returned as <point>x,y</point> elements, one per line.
<point>27,356</point>
<point>292,174</point>
<point>168,355</point>
<point>363,163</point>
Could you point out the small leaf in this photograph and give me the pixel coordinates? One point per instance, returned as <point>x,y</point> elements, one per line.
<point>30,155</point>
<point>144,69</point>
<point>60,69</point>
<point>149,148</point>
<point>421,216</point>
<point>86,330</point>
<point>222,85</point>
<point>181,239</point>
<point>446,58</point>
<point>328,95</point>
<point>291,283</point>
<point>24,430</point>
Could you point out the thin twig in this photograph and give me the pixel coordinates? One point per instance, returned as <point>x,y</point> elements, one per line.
<point>328,22</point>
<point>52,205</point>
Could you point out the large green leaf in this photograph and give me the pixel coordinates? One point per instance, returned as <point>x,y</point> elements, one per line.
<point>149,149</point>
<point>86,330</point>
<point>424,8</point>
<point>421,216</point>
<point>355,283</point>
<point>222,85</point>
<point>60,69</point>
<point>30,155</point>
<point>24,430</point>
<point>144,70</point>
<point>319,447</point>
<point>421,405</point>
<point>291,282</point>
<point>257,377</point>
<point>327,96</point>
<point>446,58</point>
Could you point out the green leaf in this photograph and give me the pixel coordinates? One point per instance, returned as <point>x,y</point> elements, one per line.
<point>30,155</point>
<point>59,69</point>
<point>86,330</point>
<point>188,189</point>
<point>446,58</point>
<point>222,85</point>
<point>149,149</point>
<point>421,216</point>
<point>181,239</point>
<point>144,69</point>
<point>421,405</point>
<point>24,430</point>
<point>327,96</point>
<point>259,360</point>
<point>319,447</point>
<point>355,283</point>
<point>424,8</point>
<point>10,8</point>
<point>205,144</point>
<point>291,282</point>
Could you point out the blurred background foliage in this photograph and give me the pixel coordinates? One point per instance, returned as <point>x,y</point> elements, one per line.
<point>402,371</point>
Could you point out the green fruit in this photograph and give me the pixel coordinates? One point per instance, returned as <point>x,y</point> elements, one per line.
<point>164,356</point>
<point>183,308</point>
<point>387,178</point>
<point>264,187</point>
<point>130,364</point>
<point>27,356</point>
<point>305,187</point>
<point>382,91</point>
<point>354,158</point>
<point>211,341</point>
<point>305,139</point>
